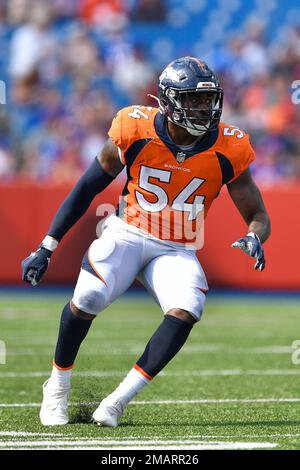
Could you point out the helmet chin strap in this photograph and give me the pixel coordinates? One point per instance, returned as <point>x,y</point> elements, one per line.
<point>194,132</point>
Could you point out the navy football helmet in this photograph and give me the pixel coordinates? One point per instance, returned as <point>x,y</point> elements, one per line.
<point>189,93</point>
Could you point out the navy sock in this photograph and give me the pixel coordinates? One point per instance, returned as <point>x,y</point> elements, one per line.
<point>167,340</point>
<point>72,331</point>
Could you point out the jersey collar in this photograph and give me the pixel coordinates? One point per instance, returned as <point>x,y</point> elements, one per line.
<point>204,144</point>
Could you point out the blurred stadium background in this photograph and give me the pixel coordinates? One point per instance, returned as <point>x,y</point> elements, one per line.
<point>69,65</point>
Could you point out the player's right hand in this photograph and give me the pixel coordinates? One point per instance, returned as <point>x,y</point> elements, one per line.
<point>35,265</point>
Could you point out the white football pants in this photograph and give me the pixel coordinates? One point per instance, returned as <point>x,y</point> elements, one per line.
<point>122,254</point>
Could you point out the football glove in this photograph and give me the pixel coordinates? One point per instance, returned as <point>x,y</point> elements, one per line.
<point>251,245</point>
<point>35,265</point>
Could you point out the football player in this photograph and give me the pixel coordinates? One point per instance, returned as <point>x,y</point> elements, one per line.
<point>177,156</point>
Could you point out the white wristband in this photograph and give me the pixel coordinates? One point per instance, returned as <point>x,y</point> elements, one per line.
<point>253,235</point>
<point>50,243</point>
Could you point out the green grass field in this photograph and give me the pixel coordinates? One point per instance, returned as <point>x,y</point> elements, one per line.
<point>233,385</point>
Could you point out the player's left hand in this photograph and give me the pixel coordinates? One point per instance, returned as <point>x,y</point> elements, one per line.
<point>251,245</point>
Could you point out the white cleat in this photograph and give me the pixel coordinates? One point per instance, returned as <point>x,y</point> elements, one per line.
<point>54,409</point>
<point>108,413</point>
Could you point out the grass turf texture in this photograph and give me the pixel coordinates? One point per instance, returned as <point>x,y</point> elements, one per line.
<point>240,350</point>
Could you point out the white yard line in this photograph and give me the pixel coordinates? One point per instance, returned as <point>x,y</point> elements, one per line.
<point>272,349</point>
<point>8,375</point>
<point>240,436</point>
<point>183,373</point>
<point>172,402</point>
<point>136,349</point>
<point>139,444</point>
<point>217,401</point>
<point>229,372</point>
<point>29,434</point>
<point>156,439</point>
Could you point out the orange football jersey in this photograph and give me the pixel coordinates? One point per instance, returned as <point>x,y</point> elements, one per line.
<point>170,188</point>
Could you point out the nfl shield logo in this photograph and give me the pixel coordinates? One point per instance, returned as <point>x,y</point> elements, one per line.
<point>180,157</point>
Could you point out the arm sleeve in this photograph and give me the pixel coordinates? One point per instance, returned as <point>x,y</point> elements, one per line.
<point>92,182</point>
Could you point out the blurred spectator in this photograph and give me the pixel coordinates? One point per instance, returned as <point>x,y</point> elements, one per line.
<point>73,63</point>
<point>133,75</point>
<point>32,42</point>
<point>109,15</point>
<point>17,11</point>
<point>254,53</point>
<point>149,10</point>
<point>81,56</point>
<point>64,9</point>
<point>7,169</point>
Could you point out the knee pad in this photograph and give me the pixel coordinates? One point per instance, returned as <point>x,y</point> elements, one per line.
<point>91,294</point>
<point>190,299</point>
<point>197,303</point>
